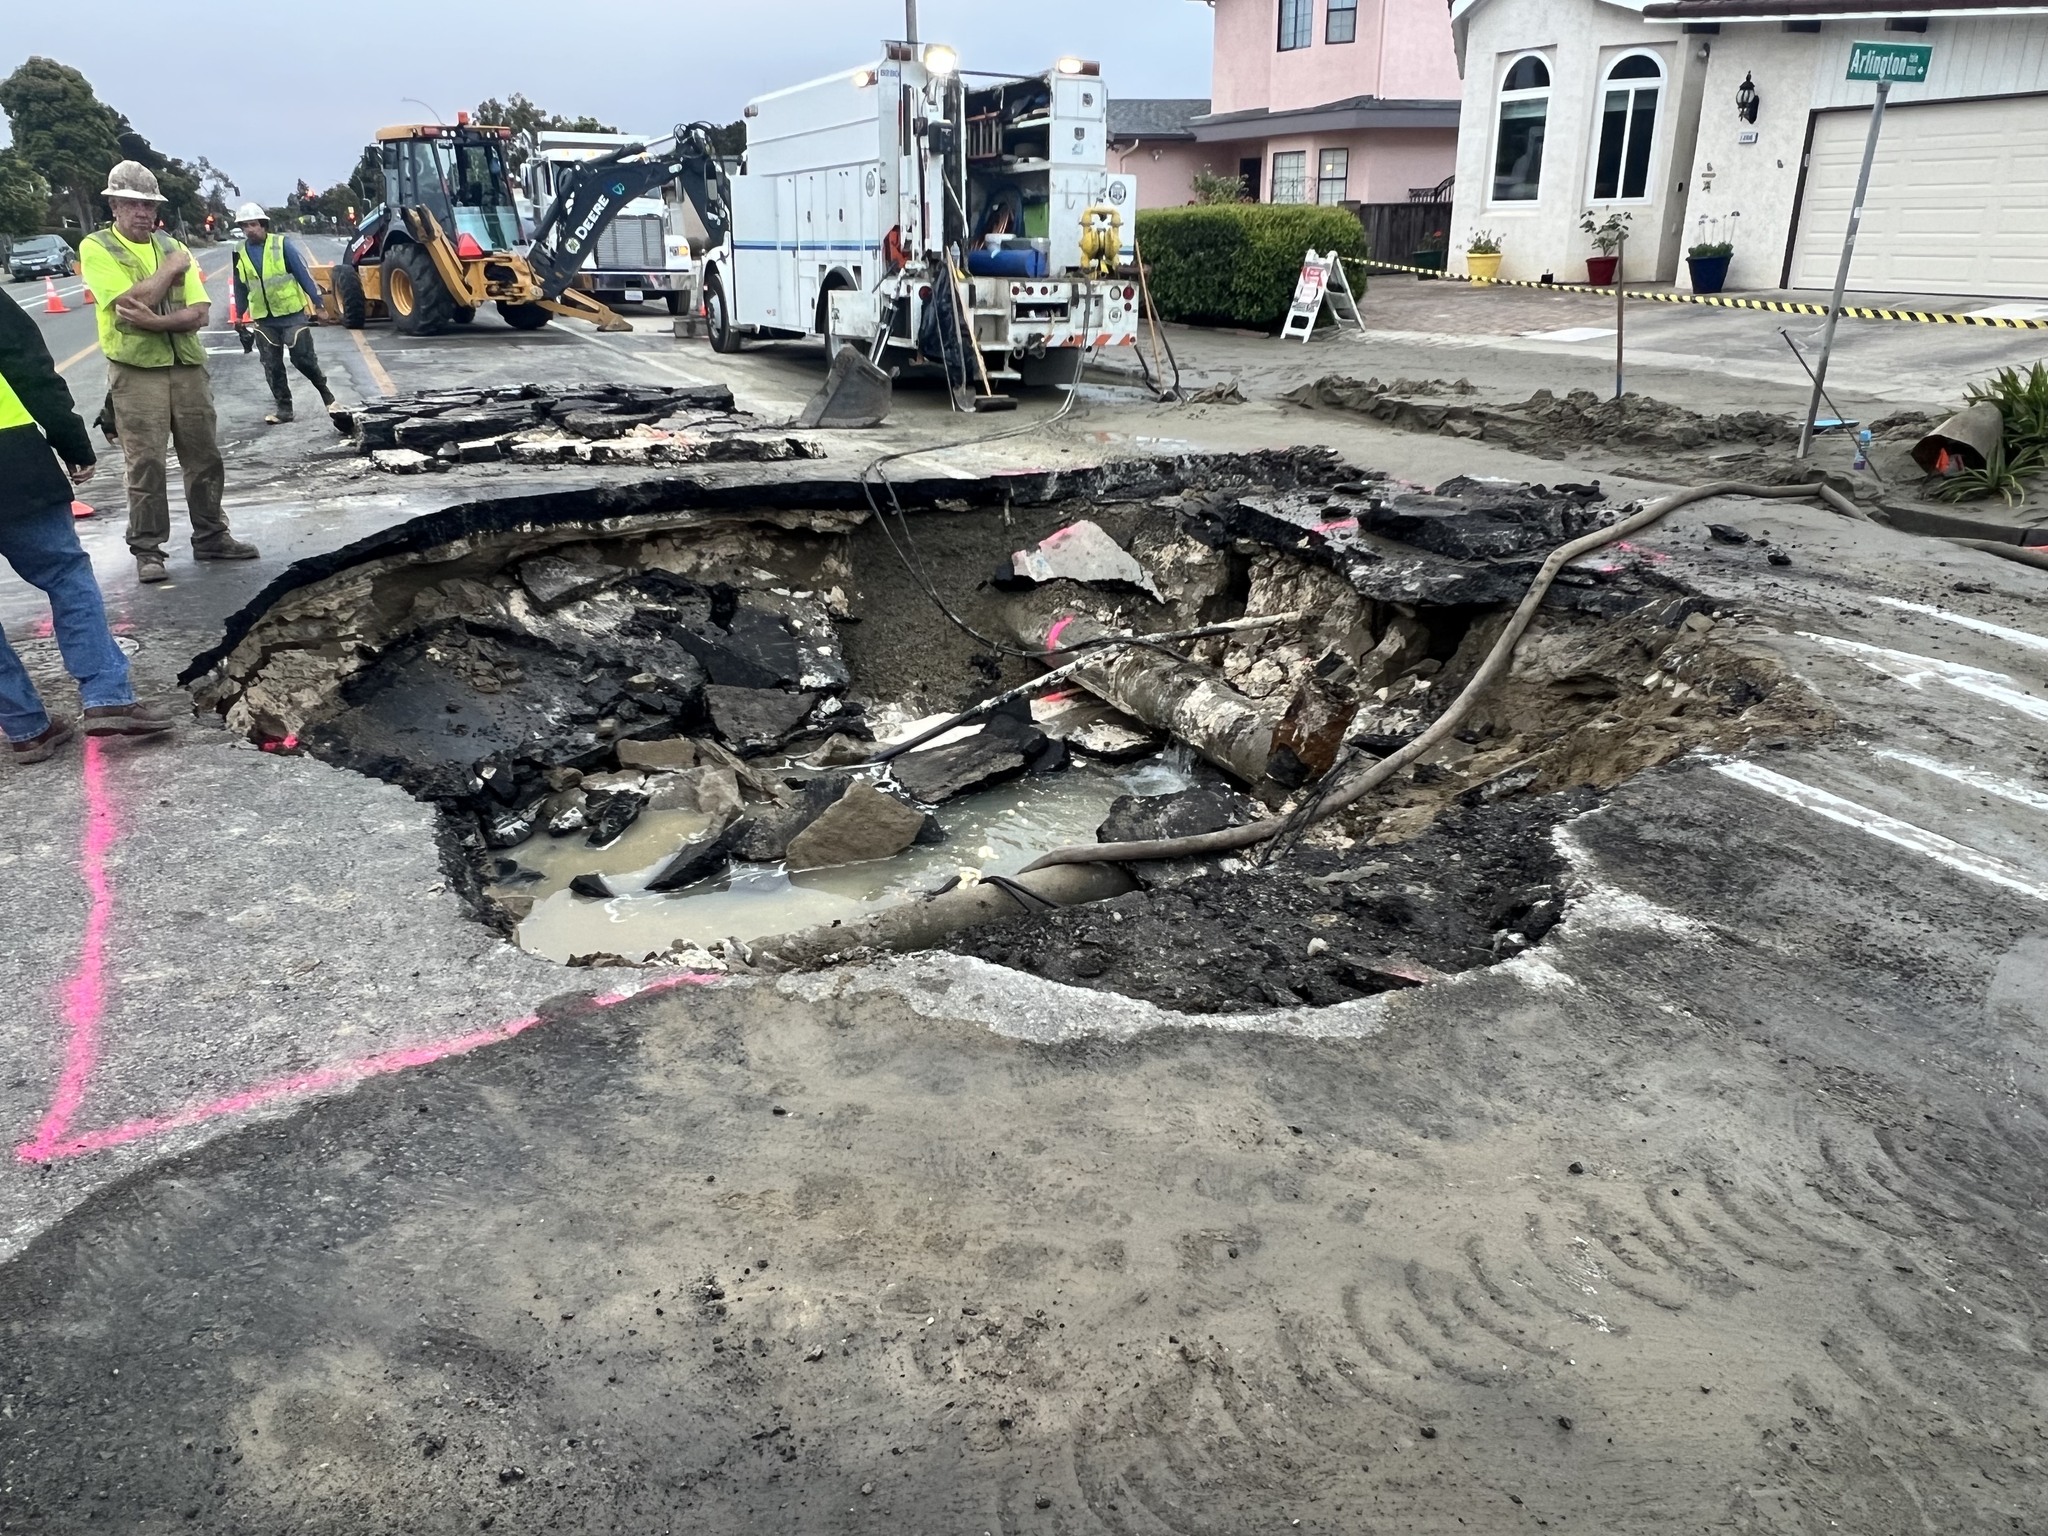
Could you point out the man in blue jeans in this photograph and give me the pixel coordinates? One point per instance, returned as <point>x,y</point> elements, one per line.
<point>38,539</point>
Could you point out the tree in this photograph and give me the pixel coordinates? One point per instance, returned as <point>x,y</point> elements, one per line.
<point>730,141</point>
<point>24,196</point>
<point>63,131</point>
<point>525,118</point>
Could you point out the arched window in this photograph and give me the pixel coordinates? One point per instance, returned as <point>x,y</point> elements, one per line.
<point>1628,128</point>
<point>1518,145</point>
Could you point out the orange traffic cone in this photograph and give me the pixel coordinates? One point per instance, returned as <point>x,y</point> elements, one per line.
<point>52,304</point>
<point>81,510</point>
<point>88,299</point>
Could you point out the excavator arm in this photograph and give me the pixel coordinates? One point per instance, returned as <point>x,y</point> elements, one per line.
<point>590,195</point>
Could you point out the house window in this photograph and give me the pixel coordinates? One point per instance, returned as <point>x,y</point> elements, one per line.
<point>1342,25</point>
<point>1518,146</point>
<point>1297,23</point>
<point>1333,175</point>
<point>1290,176</point>
<point>1628,129</point>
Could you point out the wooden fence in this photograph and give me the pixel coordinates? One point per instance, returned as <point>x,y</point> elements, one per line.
<point>1395,231</point>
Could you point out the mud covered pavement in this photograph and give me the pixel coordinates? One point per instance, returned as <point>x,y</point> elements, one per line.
<point>1626,1122</point>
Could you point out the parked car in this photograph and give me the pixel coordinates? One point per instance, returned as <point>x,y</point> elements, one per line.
<point>42,256</point>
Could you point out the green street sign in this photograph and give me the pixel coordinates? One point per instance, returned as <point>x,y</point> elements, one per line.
<point>1902,63</point>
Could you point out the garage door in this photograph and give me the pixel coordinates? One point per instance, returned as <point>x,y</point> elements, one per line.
<point>1958,200</point>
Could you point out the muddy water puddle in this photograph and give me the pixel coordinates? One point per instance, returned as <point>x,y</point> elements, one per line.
<point>998,831</point>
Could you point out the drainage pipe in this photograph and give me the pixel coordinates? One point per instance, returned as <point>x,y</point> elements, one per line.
<point>1490,671</point>
<point>922,924</point>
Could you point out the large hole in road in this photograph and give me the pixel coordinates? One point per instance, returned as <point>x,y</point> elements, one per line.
<point>643,712</point>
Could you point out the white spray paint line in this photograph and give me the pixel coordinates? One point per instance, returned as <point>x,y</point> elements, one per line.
<point>635,357</point>
<point>1975,778</point>
<point>1916,671</point>
<point>1904,834</point>
<point>2027,638</point>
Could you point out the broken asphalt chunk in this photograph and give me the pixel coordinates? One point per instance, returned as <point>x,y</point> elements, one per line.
<point>860,825</point>
<point>755,720</point>
<point>940,773</point>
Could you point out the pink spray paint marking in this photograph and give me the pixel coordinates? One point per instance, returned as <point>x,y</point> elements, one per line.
<point>85,993</point>
<point>85,1005</point>
<point>1334,524</point>
<point>1052,636</point>
<point>301,1084</point>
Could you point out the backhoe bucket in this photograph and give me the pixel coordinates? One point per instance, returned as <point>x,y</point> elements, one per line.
<point>856,394</point>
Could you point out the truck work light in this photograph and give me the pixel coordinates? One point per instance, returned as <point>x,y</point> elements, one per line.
<point>941,60</point>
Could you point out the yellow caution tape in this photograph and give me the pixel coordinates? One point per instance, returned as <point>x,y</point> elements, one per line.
<point>1773,306</point>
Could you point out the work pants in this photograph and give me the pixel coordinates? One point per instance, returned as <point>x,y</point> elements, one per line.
<point>153,408</point>
<point>44,550</point>
<point>274,340</point>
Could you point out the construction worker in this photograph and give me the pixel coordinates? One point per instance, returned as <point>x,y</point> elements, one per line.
<point>274,289</point>
<point>38,539</point>
<point>152,306</point>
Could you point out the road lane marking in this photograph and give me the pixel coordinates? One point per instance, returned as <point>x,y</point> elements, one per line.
<point>653,362</point>
<point>1975,778</point>
<point>1903,834</point>
<point>1915,671</point>
<point>2022,637</point>
<point>79,356</point>
<point>377,374</point>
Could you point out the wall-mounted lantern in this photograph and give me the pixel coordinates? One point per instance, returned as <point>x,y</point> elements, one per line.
<point>1746,98</point>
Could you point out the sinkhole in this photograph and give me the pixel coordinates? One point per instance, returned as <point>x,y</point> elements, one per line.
<point>647,713</point>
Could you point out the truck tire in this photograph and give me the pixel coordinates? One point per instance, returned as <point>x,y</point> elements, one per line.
<point>419,301</point>
<point>674,301</point>
<point>718,317</point>
<point>525,317</point>
<point>348,297</point>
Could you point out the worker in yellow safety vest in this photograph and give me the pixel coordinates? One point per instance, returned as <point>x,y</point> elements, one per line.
<point>152,305</point>
<point>274,289</point>
<point>38,428</point>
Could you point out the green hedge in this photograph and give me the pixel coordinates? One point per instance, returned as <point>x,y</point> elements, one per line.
<point>1237,263</point>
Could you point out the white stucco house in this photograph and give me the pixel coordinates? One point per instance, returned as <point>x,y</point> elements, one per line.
<point>1734,120</point>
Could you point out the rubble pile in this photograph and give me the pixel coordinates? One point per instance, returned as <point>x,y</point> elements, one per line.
<point>668,696</point>
<point>585,424</point>
<point>1545,423</point>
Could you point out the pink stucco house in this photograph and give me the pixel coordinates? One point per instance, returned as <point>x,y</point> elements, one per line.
<point>1331,101</point>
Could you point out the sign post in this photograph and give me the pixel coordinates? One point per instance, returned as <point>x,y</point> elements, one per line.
<point>1883,63</point>
<point>1322,281</point>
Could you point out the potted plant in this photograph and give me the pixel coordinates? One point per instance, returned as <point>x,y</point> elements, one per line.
<point>1482,256</point>
<point>1708,263</point>
<point>1608,235</point>
<point>1432,250</point>
<point>1711,251</point>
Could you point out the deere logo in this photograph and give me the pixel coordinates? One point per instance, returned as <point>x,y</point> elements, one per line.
<point>618,189</point>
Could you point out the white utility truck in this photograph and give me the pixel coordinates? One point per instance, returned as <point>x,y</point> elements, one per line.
<point>643,253</point>
<point>858,188</point>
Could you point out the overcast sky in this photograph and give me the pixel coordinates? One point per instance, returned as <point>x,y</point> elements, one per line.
<point>272,93</point>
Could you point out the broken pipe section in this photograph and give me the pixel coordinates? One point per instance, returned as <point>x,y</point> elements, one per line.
<point>1181,697</point>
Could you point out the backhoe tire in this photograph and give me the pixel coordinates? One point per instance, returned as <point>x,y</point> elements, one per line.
<point>419,301</point>
<point>725,336</point>
<point>348,297</point>
<point>525,317</point>
<point>465,315</point>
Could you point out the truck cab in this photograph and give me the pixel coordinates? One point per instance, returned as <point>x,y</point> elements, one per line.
<point>856,189</point>
<point>644,254</point>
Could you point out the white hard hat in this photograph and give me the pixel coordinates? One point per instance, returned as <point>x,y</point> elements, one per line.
<point>135,180</point>
<point>251,213</point>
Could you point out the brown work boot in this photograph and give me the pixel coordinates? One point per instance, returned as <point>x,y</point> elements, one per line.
<point>226,549</point>
<point>46,744</point>
<point>150,568</point>
<point>133,719</point>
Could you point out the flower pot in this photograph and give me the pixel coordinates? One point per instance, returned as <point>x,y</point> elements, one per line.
<point>1433,260</point>
<point>1484,265</point>
<point>1708,272</point>
<point>1600,270</point>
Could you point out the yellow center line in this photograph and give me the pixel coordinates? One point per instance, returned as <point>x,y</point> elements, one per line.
<point>377,373</point>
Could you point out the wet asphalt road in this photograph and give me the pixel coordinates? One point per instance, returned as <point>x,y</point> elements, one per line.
<point>1793,1032</point>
